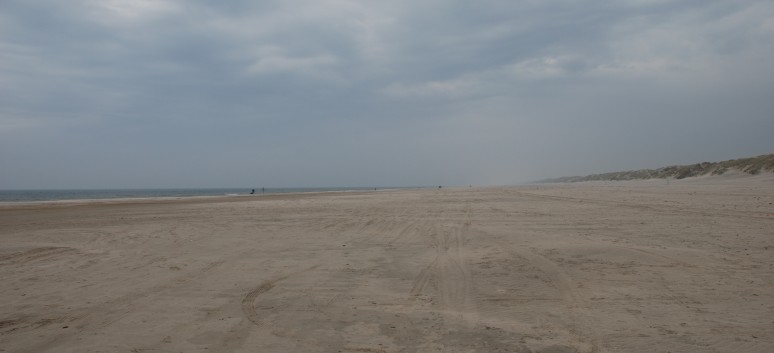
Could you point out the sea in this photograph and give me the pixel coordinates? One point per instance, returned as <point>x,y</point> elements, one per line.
<point>92,194</point>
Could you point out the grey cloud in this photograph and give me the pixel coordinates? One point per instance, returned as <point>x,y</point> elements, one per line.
<point>161,93</point>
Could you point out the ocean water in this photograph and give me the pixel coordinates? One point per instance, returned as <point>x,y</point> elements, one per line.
<point>88,194</point>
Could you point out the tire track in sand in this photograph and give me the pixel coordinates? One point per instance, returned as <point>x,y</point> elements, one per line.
<point>248,302</point>
<point>35,254</point>
<point>449,272</point>
<point>90,320</point>
<point>577,309</point>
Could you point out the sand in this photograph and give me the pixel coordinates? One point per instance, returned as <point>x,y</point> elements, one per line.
<point>589,267</point>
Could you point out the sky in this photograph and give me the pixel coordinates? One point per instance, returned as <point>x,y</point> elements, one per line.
<point>324,93</point>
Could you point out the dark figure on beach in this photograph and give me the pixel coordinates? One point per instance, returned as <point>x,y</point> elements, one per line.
<point>252,192</point>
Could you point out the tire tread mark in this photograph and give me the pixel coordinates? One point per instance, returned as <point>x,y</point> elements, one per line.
<point>248,302</point>
<point>564,284</point>
<point>36,253</point>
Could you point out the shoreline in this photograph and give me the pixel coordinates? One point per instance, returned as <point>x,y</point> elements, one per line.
<point>187,198</point>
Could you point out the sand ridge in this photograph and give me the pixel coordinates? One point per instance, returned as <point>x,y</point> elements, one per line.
<point>590,267</point>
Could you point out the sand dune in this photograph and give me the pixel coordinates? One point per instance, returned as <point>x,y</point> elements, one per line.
<point>587,267</point>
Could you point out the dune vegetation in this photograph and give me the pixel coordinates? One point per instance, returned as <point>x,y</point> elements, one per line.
<point>752,165</point>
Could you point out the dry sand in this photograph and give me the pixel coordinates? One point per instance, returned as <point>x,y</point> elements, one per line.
<point>594,267</point>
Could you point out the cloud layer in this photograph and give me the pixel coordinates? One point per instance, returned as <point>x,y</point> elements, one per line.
<point>148,93</point>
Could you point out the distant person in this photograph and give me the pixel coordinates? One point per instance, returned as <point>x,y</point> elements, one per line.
<point>252,192</point>
<point>263,190</point>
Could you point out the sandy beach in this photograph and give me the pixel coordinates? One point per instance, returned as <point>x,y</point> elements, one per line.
<point>649,266</point>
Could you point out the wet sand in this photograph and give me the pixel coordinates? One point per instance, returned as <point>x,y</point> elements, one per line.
<point>589,267</point>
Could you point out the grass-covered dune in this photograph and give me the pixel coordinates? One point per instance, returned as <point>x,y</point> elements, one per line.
<point>752,165</point>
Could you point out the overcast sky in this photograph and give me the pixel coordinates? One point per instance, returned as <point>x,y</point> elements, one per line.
<point>143,93</point>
